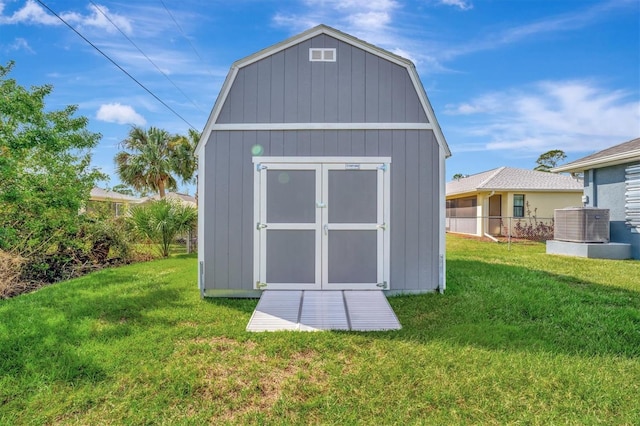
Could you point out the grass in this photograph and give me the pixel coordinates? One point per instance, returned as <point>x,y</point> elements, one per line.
<point>519,337</point>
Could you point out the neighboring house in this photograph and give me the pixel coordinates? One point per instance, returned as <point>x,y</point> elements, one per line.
<point>487,202</point>
<point>321,167</point>
<point>185,199</point>
<point>612,181</point>
<point>118,203</point>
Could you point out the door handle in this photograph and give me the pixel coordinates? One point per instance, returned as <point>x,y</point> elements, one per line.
<point>326,229</point>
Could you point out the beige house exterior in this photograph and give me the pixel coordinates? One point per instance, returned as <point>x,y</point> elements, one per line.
<point>497,201</point>
<point>118,203</point>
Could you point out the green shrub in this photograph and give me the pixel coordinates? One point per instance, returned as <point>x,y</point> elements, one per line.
<point>162,221</point>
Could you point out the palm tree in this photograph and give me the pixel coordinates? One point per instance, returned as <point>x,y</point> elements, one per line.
<point>152,158</point>
<point>184,159</point>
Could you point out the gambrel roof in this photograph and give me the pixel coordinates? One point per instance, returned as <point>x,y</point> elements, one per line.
<point>346,38</point>
<point>513,179</point>
<point>619,154</point>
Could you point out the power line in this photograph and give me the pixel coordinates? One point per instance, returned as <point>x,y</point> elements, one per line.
<point>185,36</point>
<point>145,55</point>
<point>116,64</point>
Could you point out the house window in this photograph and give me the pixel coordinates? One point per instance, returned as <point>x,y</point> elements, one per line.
<point>518,205</point>
<point>119,209</point>
<point>632,197</point>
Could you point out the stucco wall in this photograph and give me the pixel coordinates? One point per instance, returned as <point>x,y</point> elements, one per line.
<point>542,204</point>
<point>606,189</point>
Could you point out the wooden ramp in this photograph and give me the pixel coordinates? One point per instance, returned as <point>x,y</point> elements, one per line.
<point>299,310</point>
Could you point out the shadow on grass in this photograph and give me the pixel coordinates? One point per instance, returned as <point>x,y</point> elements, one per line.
<point>503,307</point>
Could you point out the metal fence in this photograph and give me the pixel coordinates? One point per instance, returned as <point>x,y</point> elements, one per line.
<point>530,228</point>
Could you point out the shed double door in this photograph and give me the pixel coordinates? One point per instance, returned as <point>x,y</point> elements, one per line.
<point>322,225</point>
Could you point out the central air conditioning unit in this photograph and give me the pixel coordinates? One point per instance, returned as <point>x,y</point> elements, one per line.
<point>581,225</point>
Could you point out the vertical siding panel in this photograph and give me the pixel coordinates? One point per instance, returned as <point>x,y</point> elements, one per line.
<point>331,85</point>
<point>304,83</point>
<point>385,147</point>
<point>264,90</point>
<point>372,98</point>
<point>425,194</point>
<point>357,143</point>
<point>434,230</point>
<point>398,95</point>
<point>304,143</point>
<point>357,85</point>
<point>248,141</point>
<point>412,104</point>
<point>221,208</point>
<point>250,97</point>
<point>344,142</point>
<point>209,230</point>
<point>277,88</point>
<point>371,143</point>
<point>317,84</point>
<point>236,105</point>
<point>291,84</point>
<point>225,111</point>
<point>276,138</point>
<point>412,219</point>
<point>344,82</point>
<point>290,143</point>
<point>263,139</point>
<point>331,143</point>
<point>317,143</point>
<point>235,210</point>
<point>398,211</point>
<point>385,80</point>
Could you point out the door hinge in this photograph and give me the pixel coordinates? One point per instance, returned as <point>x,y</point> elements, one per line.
<point>383,284</point>
<point>260,285</point>
<point>383,167</point>
<point>260,166</point>
<point>260,226</point>
<point>382,226</point>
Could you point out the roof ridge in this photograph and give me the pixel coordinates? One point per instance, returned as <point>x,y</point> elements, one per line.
<point>487,180</point>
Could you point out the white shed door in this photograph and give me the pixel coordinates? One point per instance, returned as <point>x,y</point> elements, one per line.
<point>322,225</point>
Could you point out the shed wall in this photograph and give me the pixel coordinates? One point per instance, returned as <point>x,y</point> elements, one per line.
<point>415,213</point>
<point>286,87</point>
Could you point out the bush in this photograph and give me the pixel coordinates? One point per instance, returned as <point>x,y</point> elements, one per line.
<point>162,221</point>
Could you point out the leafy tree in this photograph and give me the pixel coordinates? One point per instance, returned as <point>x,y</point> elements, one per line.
<point>161,221</point>
<point>549,160</point>
<point>152,160</point>
<point>45,173</point>
<point>459,176</point>
<point>123,189</point>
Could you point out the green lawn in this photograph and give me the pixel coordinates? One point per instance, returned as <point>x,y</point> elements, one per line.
<point>519,337</point>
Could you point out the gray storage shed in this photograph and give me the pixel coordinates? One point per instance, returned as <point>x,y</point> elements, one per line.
<point>321,166</point>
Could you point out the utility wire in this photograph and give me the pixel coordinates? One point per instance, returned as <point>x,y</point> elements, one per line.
<point>185,36</point>
<point>99,9</point>
<point>116,64</point>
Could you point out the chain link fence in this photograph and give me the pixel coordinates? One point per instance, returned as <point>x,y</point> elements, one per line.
<point>503,228</point>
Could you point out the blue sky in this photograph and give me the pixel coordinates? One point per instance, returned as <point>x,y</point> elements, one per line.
<point>508,80</point>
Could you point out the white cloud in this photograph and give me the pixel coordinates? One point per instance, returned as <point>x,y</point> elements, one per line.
<point>461,4</point>
<point>121,114</point>
<point>18,44</point>
<point>33,13</point>
<point>574,116</point>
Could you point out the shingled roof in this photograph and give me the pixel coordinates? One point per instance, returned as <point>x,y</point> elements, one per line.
<point>513,179</point>
<point>625,152</point>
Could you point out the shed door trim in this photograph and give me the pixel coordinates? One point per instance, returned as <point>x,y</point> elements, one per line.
<point>330,227</point>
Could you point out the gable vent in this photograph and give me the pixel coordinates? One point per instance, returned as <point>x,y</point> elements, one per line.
<point>322,55</point>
